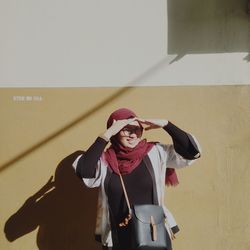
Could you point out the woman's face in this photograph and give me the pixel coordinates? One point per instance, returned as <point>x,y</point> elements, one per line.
<point>130,135</point>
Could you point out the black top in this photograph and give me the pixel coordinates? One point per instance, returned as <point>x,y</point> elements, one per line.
<point>139,187</point>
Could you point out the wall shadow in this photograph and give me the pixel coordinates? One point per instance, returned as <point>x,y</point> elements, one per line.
<point>202,27</point>
<point>65,128</point>
<point>63,210</point>
<point>117,94</point>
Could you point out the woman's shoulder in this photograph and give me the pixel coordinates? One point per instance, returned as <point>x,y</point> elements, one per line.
<point>161,146</point>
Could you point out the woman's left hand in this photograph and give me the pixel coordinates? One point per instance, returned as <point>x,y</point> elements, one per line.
<point>153,123</point>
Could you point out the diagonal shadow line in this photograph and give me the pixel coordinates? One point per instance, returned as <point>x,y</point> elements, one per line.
<point>84,116</point>
<point>66,127</point>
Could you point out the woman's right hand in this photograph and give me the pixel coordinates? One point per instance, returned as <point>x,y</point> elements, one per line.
<point>116,127</point>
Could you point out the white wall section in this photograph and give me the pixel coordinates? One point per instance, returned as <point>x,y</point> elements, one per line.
<point>120,43</point>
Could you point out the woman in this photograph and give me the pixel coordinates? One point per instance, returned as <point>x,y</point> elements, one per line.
<point>145,167</point>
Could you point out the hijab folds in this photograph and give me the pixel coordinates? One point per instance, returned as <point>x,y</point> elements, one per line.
<point>124,159</point>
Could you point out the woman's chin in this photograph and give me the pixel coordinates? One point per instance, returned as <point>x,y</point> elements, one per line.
<point>131,144</point>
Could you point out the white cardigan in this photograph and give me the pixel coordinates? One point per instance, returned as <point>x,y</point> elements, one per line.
<point>162,157</point>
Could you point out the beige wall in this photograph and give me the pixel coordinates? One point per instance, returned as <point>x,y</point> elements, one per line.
<point>210,204</point>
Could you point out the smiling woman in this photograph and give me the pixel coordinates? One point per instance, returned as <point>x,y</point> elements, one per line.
<point>133,130</point>
<point>145,168</point>
<point>130,135</point>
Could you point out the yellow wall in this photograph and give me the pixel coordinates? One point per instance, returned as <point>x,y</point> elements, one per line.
<point>211,204</point>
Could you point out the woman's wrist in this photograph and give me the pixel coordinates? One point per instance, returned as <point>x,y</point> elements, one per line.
<point>164,123</point>
<point>106,136</point>
<point>168,123</point>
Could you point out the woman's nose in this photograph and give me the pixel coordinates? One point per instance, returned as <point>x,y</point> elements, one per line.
<point>132,134</point>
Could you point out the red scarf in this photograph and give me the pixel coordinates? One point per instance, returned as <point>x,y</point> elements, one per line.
<point>126,159</point>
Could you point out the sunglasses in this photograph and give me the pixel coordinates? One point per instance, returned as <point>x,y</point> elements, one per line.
<point>131,129</point>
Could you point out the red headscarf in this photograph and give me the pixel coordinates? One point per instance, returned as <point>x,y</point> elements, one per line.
<point>125,160</point>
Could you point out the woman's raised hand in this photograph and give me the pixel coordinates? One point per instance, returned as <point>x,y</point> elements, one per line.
<point>117,126</point>
<point>153,123</point>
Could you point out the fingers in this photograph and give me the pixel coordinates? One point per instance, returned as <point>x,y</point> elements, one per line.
<point>140,120</point>
<point>146,121</point>
<point>118,125</point>
<point>150,124</point>
<point>129,121</point>
<point>151,127</point>
<point>143,121</point>
<point>153,123</point>
<point>125,121</point>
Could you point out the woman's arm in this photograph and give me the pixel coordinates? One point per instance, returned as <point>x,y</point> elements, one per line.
<point>184,144</point>
<point>86,166</point>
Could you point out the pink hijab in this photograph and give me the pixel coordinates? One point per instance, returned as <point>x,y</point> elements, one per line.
<point>125,160</point>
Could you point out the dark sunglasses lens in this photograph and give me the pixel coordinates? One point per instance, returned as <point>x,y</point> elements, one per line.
<point>133,130</point>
